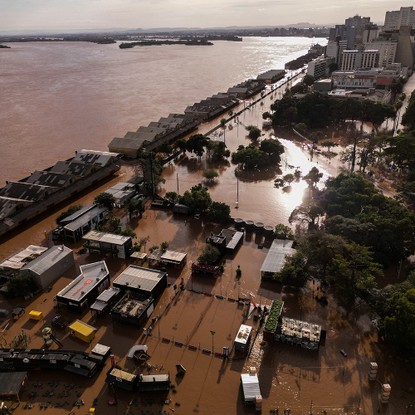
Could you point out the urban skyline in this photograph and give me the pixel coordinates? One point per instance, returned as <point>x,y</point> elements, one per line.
<point>76,15</point>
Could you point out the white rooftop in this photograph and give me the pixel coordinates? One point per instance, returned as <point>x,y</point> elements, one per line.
<point>243,334</point>
<point>275,258</point>
<point>23,257</point>
<point>109,238</point>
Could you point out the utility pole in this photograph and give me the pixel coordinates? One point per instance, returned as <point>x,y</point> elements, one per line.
<point>177,178</point>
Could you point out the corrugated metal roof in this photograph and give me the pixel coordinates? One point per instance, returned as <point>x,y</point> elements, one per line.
<point>109,238</point>
<point>275,258</point>
<point>140,278</point>
<point>20,259</point>
<point>85,218</point>
<point>173,256</point>
<point>49,258</point>
<point>250,386</point>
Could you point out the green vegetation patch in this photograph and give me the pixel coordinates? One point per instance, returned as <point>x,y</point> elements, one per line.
<point>274,315</point>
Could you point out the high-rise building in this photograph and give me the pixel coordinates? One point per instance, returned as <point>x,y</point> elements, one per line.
<point>403,17</point>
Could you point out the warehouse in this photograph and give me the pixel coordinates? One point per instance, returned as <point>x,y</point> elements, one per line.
<point>84,289</point>
<point>50,265</point>
<point>146,281</point>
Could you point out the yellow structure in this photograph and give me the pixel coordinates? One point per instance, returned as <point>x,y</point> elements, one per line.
<point>36,315</point>
<point>82,331</point>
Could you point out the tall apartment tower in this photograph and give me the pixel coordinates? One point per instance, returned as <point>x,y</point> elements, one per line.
<point>403,17</point>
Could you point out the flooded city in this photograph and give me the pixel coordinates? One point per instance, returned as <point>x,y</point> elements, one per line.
<point>195,322</point>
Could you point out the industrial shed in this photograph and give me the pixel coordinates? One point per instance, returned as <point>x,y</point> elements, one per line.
<point>275,258</point>
<point>85,288</point>
<point>50,265</point>
<point>146,281</point>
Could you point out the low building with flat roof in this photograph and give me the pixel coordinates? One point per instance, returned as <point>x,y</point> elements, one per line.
<point>228,239</point>
<point>109,243</point>
<point>275,258</point>
<point>84,289</point>
<point>133,309</point>
<point>146,281</point>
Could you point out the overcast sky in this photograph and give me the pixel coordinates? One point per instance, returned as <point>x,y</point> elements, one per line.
<point>59,15</point>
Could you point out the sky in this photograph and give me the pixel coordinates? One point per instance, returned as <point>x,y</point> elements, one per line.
<point>72,15</point>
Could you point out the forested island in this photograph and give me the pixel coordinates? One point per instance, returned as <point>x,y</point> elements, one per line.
<point>188,42</point>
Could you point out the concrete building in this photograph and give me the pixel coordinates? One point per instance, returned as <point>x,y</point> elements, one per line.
<point>359,59</point>
<point>271,76</point>
<point>405,16</point>
<point>387,50</point>
<point>108,243</point>
<point>319,67</point>
<point>82,292</point>
<point>350,80</point>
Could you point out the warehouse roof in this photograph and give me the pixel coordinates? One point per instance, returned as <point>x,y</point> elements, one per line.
<point>145,279</point>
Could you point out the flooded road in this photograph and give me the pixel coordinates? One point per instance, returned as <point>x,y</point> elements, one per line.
<point>195,324</point>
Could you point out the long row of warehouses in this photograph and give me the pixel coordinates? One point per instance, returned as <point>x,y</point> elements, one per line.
<point>168,129</point>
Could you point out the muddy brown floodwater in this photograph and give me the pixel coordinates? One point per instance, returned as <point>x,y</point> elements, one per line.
<point>205,316</point>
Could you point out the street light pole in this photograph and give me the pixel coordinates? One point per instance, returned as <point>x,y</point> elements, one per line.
<point>213,342</point>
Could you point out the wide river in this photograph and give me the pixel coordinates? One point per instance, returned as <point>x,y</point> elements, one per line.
<point>60,97</point>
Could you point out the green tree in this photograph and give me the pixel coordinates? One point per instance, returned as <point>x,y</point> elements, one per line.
<point>398,325</point>
<point>198,199</point>
<point>353,272</point>
<point>105,199</point>
<point>219,212</point>
<point>173,196</point>
<point>196,144</point>
<point>273,149</point>
<point>408,119</point>
<point>218,150</point>
<point>293,272</point>
<point>313,177</point>
<point>72,209</point>
<point>135,207</point>
<point>150,168</point>
<point>210,175</point>
<point>309,213</point>
<point>253,132</point>
<point>283,232</point>
<point>209,256</point>
<point>308,80</point>
<point>21,286</point>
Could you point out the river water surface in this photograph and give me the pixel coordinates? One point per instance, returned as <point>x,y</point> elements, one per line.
<point>61,97</point>
<point>57,98</point>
